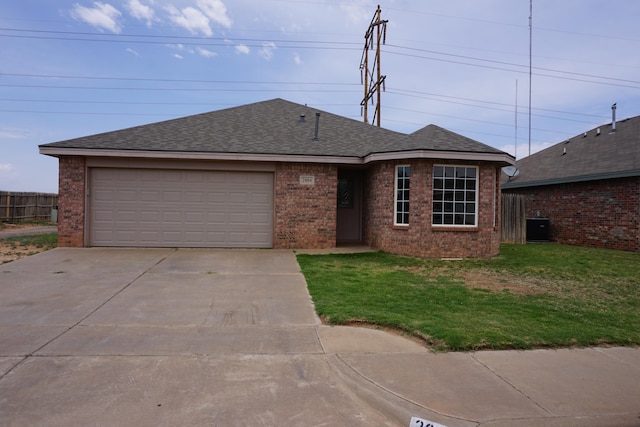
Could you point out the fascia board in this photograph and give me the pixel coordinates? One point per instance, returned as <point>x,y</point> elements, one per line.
<point>295,158</point>
<point>568,180</point>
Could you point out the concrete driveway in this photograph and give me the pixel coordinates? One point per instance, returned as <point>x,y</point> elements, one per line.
<point>166,337</point>
<point>230,337</point>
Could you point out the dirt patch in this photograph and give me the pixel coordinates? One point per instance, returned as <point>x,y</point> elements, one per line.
<point>11,249</point>
<point>494,282</point>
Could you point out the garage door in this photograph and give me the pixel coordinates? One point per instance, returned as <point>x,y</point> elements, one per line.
<point>180,208</point>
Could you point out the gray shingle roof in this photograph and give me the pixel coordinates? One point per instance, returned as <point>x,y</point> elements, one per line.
<point>582,158</point>
<point>273,127</point>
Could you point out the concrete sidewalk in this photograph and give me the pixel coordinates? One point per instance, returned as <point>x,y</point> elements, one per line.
<point>229,337</point>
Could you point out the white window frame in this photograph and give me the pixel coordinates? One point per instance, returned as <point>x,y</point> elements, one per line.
<point>396,200</point>
<point>457,201</point>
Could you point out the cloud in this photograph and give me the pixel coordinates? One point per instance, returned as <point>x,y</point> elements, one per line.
<point>296,59</point>
<point>102,16</point>
<point>359,11</point>
<point>6,167</point>
<point>206,53</point>
<point>133,52</point>
<point>178,56</point>
<point>191,19</point>
<point>266,51</point>
<point>216,11</point>
<point>242,48</point>
<point>141,11</point>
<point>9,134</point>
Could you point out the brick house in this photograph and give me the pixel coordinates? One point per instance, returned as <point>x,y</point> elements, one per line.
<point>276,174</point>
<point>588,186</point>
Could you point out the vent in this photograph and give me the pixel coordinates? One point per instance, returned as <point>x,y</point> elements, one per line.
<point>613,117</point>
<point>315,133</point>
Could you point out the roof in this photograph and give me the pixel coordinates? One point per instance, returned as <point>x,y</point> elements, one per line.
<point>596,154</point>
<point>279,128</point>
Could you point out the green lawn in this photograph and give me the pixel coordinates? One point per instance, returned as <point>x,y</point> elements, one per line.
<point>529,296</point>
<point>43,241</point>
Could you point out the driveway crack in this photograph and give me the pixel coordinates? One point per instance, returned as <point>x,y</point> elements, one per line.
<point>32,353</point>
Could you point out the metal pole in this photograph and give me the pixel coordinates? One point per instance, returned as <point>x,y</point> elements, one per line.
<point>516,139</point>
<point>530,64</point>
<point>378,67</point>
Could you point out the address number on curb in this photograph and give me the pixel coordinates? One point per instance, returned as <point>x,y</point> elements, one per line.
<point>419,422</point>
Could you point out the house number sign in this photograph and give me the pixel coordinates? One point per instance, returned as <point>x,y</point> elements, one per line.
<point>419,422</point>
<point>307,180</point>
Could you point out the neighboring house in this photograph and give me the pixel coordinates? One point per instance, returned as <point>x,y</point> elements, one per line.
<point>588,186</point>
<point>276,174</point>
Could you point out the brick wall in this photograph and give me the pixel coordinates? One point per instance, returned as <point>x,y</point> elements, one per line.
<point>305,214</point>
<point>604,214</point>
<point>71,201</point>
<point>420,238</point>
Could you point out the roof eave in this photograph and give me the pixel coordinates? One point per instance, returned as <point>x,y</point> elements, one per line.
<point>571,179</point>
<point>500,158</point>
<point>195,155</point>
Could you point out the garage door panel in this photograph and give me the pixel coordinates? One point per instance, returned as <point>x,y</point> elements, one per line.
<point>172,196</point>
<point>150,196</point>
<point>172,208</point>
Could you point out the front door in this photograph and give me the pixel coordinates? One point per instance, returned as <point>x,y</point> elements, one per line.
<point>349,207</point>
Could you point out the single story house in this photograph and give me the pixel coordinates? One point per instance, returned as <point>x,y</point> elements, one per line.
<point>588,186</point>
<point>277,174</point>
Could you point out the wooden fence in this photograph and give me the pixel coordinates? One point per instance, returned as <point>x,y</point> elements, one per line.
<point>20,207</point>
<point>513,224</point>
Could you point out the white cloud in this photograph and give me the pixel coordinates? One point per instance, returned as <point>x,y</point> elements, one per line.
<point>8,134</point>
<point>178,56</point>
<point>266,51</point>
<point>206,53</point>
<point>191,19</point>
<point>133,52</point>
<point>6,167</point>
<point>241,48</point>
<point>102,16</point>
<point>216,11</point>
<point>296,59</point>
<point>141,11</point>
<point>359,11</point>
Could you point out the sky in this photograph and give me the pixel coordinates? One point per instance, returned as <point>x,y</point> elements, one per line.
<point>76,68</point>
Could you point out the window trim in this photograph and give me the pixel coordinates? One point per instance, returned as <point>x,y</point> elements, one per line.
<point>395,197</point>
<point>476,201</point>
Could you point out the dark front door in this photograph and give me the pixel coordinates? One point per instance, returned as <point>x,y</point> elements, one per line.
<point>349,206</point>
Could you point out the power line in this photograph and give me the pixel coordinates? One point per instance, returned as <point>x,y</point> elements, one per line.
<point>498,65</point>
<point>391,91</point>
<point>177,89</point>
<point>473,120</point>
<point>165,80</point>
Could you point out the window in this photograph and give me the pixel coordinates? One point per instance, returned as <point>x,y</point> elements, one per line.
<point>455,201</point>
<point>402,195</point>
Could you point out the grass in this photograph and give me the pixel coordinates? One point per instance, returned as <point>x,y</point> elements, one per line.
<point>13,248</point>
<point>527,297</point>
<point>43,241</point>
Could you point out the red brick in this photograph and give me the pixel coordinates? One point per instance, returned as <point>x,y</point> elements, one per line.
<point>420,238</point>
<point>71,201</point>
<point>603,214</point>
<point>305,215</point>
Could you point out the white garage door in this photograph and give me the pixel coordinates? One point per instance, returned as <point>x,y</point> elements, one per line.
<point>180,208</point>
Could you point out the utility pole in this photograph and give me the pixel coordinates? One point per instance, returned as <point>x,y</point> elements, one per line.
<point>376,33</point>
<point>530,64</point>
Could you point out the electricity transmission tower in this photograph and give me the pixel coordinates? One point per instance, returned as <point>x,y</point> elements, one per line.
<point>376,33</point>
